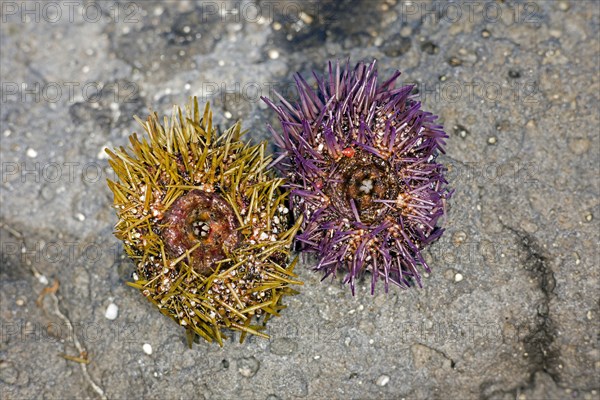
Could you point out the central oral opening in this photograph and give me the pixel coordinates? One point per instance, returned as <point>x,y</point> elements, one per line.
<point>200,217</point>
<point>363,184</point>
<point>363,179</point>
<point>201,229</point>
<point>366,186</point>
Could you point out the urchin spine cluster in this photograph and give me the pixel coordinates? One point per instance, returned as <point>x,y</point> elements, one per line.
<point>205,222</point>
<point>361,160</point>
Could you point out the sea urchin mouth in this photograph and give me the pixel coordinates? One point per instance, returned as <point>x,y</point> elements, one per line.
<point>203,223</point>
<point>360,181</point>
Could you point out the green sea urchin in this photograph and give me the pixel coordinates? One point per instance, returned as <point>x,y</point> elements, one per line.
<point>205,223</point>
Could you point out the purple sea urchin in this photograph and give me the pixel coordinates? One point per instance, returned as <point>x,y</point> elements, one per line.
<point>361,160</point>
<point>205,223</point>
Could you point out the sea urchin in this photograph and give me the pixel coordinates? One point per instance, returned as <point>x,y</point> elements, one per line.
<point>361,160</point>
<point>206,224</point>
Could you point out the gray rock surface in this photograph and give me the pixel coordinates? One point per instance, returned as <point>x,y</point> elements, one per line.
<point>511,308</point>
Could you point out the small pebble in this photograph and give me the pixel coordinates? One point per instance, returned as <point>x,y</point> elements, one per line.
<point>383,380</point>
<point>458,277</point>
<point>460,131</point>
<point>80,217</point>
<point>579,145</point>
<point>492,140</point>
<point>248,366</point>
<point>43,280</point>
<point>273,54</point>
<point>307,19</point>
<point>147,348</point>
<point>112,311</point>
<point>31,153</point>
<point>454,61</point>
<point>459,237</point>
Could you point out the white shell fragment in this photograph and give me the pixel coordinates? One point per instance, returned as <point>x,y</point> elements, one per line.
<point>112,311</point>
<point>147,348</point>
<point>383,380</point>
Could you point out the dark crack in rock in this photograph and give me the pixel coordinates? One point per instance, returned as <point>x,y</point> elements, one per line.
<point>540,347</point>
